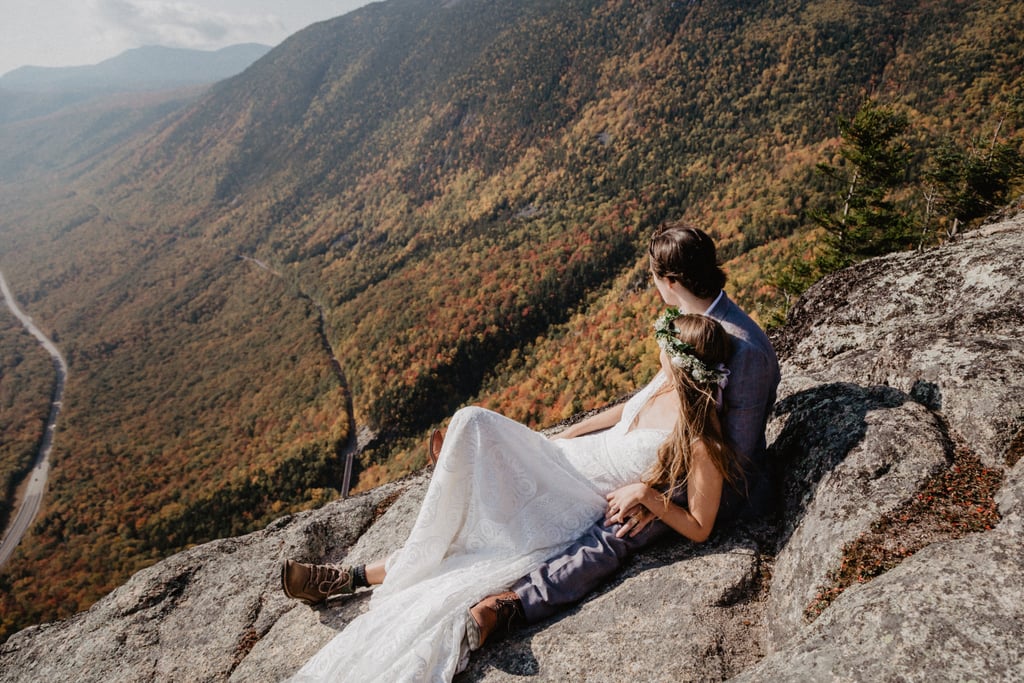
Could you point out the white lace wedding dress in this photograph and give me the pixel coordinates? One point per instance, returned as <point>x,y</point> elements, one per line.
<point>503,498</point>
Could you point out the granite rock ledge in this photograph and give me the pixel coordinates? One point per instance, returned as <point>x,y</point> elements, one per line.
<point>887,366</point>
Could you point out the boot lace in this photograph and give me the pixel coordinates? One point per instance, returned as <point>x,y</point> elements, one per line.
<point>507,610</point>
<point>330,579</point>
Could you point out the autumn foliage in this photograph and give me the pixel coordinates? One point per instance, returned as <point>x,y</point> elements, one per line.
<point>453,201</point>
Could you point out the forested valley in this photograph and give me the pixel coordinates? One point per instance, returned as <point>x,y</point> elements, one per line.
<point>453,199</point>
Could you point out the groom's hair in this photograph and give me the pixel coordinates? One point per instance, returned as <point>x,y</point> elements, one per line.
<point>687,255</point>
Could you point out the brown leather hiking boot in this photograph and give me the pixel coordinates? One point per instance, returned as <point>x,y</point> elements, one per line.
<point>501,609</point>
<point>315,583</point>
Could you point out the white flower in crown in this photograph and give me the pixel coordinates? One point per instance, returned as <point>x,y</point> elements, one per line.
<point>682,355</point>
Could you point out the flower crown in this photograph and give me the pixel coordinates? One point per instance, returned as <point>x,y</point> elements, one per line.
<point>683,355</point>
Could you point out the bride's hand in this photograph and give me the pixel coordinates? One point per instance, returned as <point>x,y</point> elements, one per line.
<point>626,507</point>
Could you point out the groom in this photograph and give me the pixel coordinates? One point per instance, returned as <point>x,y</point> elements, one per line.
<point>686,272</point>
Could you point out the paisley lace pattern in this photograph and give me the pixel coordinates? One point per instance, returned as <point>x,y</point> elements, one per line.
<point>503,498</point>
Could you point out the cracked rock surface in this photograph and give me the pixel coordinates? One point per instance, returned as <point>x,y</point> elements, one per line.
<point>885,366</point>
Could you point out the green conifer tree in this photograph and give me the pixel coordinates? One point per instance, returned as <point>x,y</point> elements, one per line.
<point>965,182</point>
<point>865,220</point>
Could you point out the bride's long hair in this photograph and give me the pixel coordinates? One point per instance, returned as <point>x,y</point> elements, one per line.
<point>698,410</point>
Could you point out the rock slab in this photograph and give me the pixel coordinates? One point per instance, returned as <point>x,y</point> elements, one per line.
<point>884,364</point>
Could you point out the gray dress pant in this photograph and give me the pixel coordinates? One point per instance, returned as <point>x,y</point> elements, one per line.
<point>566,579</point>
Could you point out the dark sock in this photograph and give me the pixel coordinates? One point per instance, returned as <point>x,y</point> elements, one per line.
<point>359,576</point>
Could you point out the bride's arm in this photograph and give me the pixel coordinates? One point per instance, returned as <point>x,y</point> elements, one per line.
<point>703,493</point>
<point>594,423</point>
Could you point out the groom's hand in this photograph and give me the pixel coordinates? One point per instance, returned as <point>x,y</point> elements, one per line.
<point>635,523</point>
<point>626,507</point>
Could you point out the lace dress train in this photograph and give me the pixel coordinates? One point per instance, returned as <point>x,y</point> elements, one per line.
<point>502,499</point>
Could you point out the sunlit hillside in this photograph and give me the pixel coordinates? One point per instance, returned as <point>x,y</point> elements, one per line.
<point>451,198</point>
<point>26,376</point>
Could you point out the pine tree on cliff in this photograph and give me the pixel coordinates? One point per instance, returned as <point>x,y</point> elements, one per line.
<point>864,220</point>
<point>965,182</point>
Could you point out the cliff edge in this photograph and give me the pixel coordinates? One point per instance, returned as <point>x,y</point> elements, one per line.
<point>896,440</point>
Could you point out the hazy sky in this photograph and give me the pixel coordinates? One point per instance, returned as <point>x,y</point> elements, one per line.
<point>77,32</point>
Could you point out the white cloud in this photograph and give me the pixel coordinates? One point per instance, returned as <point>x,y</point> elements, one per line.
<point>74,32</point>
<point>182,24</point>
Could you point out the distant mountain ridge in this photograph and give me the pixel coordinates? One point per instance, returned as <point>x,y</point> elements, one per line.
<point>143,68</point>
<point>71,113</point>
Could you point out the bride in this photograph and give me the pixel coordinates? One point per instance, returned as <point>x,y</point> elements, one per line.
<point>504,498</point>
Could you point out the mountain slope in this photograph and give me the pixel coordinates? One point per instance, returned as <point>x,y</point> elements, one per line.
<point>454,201</point>
<point>80,133</point>
<point>58,117</point>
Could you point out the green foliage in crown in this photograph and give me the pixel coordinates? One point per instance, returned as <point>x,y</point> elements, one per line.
<point>683,355</point>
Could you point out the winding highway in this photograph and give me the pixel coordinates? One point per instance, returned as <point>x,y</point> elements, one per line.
<point>33,498</point>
